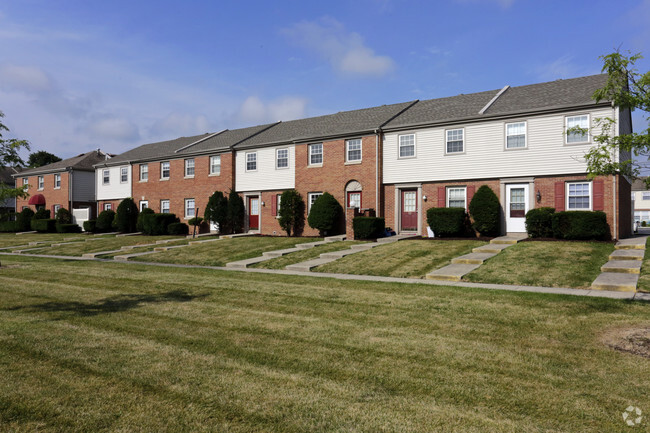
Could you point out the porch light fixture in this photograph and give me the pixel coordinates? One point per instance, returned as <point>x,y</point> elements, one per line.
<point>262,204</point>
<point>538,196</point>
<point>424,198</point>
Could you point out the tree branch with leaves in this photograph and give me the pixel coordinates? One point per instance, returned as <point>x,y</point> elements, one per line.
<point>10,157</point>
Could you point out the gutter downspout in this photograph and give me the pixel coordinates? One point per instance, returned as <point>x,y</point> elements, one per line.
<point>70,191</point>
<point>616,193</point>
<point>378,205</point>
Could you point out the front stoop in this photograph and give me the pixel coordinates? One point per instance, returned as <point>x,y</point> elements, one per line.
<point>453,272</point>
<point>616,281</point>
<point>622,266</point>
<point>631,254</point>
<point>622,271</point>
<point>473,258</point>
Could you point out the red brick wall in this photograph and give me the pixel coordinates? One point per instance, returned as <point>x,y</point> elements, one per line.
<point>52,196</point>
<point>268,222</point>
<point>334,174</point>
<point>114,205</point>
<point>176,189</point>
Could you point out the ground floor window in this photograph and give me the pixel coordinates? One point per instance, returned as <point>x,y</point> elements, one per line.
<point>457,197</point>
<point>354,199</point>
<point>578,195</point>
<point>164,206</point>
<point>642,215</point>
<point>108,206</point>
<point>313,196</point>
<point>56,208</point>
<point>189,208</point>
<point>144,204</point>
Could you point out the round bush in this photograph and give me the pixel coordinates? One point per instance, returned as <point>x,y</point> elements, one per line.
<point>292,212</point>
<point>325,215</point>
<point>63,216</point>
<point>142,218</point>
<point>539,222</point>
<point>90,226</point>
<point>216,211</point>
<point>447,221</point>
<point>484,211</point>
<point>178,229</point>
<point>126,217</point>
<point>105,221</point>
<point>24,219</point>
<point>42,214</point>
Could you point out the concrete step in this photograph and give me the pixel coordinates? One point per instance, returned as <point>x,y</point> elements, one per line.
<point>491,248</point>
<point>126,257</point>
<point>99,253</point>
<point>335,238</point>
<point>633,254</point>
<point>334,255</point>
<point>622,266</point>
<point>121,235</point>
<point>279,253</point>
<point>616,281</point>
<point>309,245</point>
<point>308,265</point>
<point>637,243</point>
<point>472,258</point>
<point>203,241</point>
<point>243,264</point>
<point>505,240</point>
<point>453,272</point>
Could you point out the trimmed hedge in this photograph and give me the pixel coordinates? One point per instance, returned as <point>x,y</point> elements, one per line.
<point>24,219</point>
<point>447,221</point>
<point>582,225</point>
<point>42,214</point>
<point>368,227</point>
<point>7,226</point>
<point>539,222</point>
<point>90,226</point>
<point>105,221</point>
<point>157,224</point>
<point>146,213</point>
<point>325,214</point>
<point>68,228</point>
<point>484,209</point>
<point>63,216</point>
<point>44,225</point>
<point>178,229</point>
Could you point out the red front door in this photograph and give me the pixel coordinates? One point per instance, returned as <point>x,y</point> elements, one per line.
<point>253,213</point>
<point>409,208</point>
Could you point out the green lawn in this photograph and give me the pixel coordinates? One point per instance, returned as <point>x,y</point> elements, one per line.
<point>11,239</point>
<point>108,244</point>
<point>548,264</point>
<point>412,258</point>
<point>224,251</point>
<point>304,255</point>
<point>183,241</point>
<point>94,347</point>
<point>644,279</point>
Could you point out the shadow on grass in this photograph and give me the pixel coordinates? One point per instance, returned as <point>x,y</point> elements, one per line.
<point>114,304</point>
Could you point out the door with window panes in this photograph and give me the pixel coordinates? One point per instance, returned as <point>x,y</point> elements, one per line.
<point>516,207</point>
<point>409,210</point>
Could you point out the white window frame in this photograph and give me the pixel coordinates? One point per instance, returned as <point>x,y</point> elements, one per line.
<point>401,146</point>
<point>187,208</point>
<point>144,172</point>
<point>447,141</point>
<point>41,183</point>
<point>108,206</point>
<point>144,204</point>
<point>189,167</point>
<point>508,135</point>
<point>251,161</point>
<point>124,174</point>
<point>566,128</point>
<point>591,195</point>
<point>57,181</point>
<point>353,141</point>
<point>55,208</point>
<point>448,195</point>
<point>162,208</point>
<point>278,159</point>
<point>215,169</point>
<point>26,183</point>
<point>311,198</point>
<point>106,177</point>
<point>312,154</point>
<point>645,195</point>
<point>162,170</point>
<point>278,199</point>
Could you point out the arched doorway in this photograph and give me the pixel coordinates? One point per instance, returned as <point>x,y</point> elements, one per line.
<point>353,195</point>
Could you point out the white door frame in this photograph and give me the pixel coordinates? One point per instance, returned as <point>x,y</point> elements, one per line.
<point>517,225</point>
<point>398,206</point>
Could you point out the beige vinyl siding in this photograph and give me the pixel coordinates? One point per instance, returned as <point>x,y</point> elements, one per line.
<point>116,189</point>
<point>485,155</point>
<point>83,188</point>
<point>266,176</point>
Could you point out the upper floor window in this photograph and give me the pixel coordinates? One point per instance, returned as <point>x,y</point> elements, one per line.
<point>189,167</point>
<point>26,183</point>
<point>577,129</point>
<point>406,145</point>
<point>456,197</point>
<point>578,195</point>
<point>124,174</point>
<point>353,150</point>
<point>646,195</point>
<point>164,170</point>
<point>282,158</point>
<point>251,161</point>
<point>57,181</point>
<point>164,206</point>
<point>313,196</point>
<point>144,172</point>
<point>189,208</point>
<point>515,135</point>
<point>316,154</point>
<point>106,176</point>
<point>41,182</point>
<point>455,142</point>
<point>215,164</point>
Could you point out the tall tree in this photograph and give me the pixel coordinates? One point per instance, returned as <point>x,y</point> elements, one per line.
<point>9,156</point>
<point>216,211</point>
<point>629,89</point>
<point>41,158</point>
<point>292,212</point>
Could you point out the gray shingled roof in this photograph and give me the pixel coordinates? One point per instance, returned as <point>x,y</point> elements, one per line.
<point>6,174</point>
<point>224,140</point>
<point>342,123</point>
<point>83,162</point>
<point>639,184</point>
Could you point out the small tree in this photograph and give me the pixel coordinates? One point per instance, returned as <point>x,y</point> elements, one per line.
<point>292,212</point>
<point>484,210</point>
<point>63,216</point>
<point>10,156</point>
<point>216,211</point>
<point>105,221</point>
<point>24,220</point>
<point>126,218</point>
<point>236,212</point>
<point>41,158</point>
<point>325,214</point>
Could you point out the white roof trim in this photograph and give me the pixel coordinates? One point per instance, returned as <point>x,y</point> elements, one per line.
<point>493,100</point>
<point>200,140</point>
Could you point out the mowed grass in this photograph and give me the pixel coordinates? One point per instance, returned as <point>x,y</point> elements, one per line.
<point>644,279</point>
<point>412,258</point>
<point>94,246</point>
<point>133,250</point>
<point>224,251</point>
<point>124,347</point>
<point>13,240</point>
<point>304,255</point>
<point>548,264</point>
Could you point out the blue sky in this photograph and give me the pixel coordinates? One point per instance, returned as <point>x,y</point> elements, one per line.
<point>78,75</point>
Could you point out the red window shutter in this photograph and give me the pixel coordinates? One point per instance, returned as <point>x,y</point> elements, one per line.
<point>274,205</point>
<point>442,200</point>
<point>598,188</point>
<point>559,196</point>
<point>470,193</point>
<point>52,213</point>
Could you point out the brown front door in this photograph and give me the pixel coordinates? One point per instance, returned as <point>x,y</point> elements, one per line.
<point>253,213</point>
<point>409,209</point>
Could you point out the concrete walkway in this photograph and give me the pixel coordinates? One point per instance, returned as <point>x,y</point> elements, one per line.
<point>465,264</point>
<point>622,271</point>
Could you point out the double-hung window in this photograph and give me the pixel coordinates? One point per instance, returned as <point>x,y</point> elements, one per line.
<point>646,196</point>
<point>353,150</point>
<point>108,206</point>
<point>215,165</point>
<point>164,206</point>
<point>144,204</point>
<point>455,140</point>
<point>316,154</point>
<point>164,170</point>
<point>189,208</point>
<point>456,197</point>
<point>251,161</point>
<point>56,208</point>
<point>407,146</point>
<point>41,182</point>
<point>278,200</point>
<point>124,174</point>
<point>578,195</point>
<point>26,183</point>
<point>106,177</point>
<point>282,158</point>
<point>57,181</point>
<point>577,129</point>
<point>144,172</point>
<point>189,167</point>
<point>515,135</point>
<point>313,196</point>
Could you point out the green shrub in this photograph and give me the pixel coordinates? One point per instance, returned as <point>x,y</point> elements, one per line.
<point>7,226</point>
<point>63,216</point>
<point>90,226</point>
<point>292,212</point>
<point>644,224</point>
<point>156,224</point>
<point>105,221</point>
<point>236,212</point>
<point>144,215</point>
<point>368,227</point>
<point>216,211</point>
<point>325,215</point>
<point>539,222</point>
<point>42,214</point>
<point>178,229</point>
<point>447,221</point>
<point>484,210</point>
<point>580,225</point>
<point>24,219</point>
<point>196,221</point>
<point>126,217</point>
<point>44,225</point>
<point>68,228</point>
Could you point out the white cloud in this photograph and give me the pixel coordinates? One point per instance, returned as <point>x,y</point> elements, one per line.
<point>254,110</point>
<point>24,78</point>
<point>345,51</point>
<point>113,129</point>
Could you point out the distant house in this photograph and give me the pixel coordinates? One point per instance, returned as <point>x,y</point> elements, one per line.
<point>6,173</point>
<point>641,200</point>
